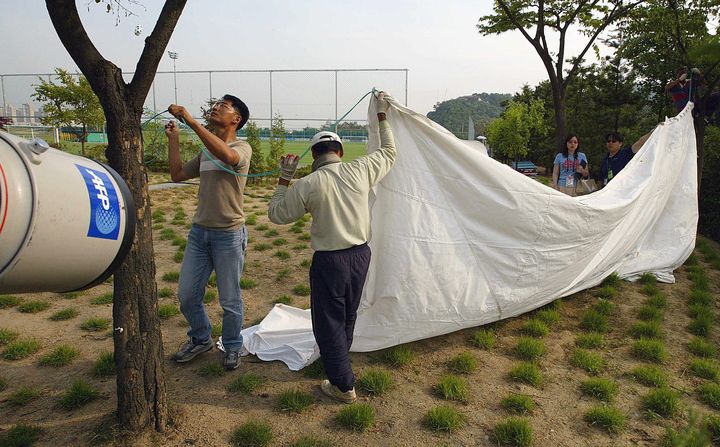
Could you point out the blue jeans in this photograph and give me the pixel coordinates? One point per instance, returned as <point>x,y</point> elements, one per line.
<point>224,252</point>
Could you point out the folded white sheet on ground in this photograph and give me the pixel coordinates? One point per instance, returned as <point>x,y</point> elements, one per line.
<point>461,240</point>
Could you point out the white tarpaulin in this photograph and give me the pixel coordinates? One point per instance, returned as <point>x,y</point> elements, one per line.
<point>460,240</point>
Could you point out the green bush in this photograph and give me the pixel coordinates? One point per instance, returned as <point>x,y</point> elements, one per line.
<point>356,417</point>
<point>444,419</point>
<point>513,432</point>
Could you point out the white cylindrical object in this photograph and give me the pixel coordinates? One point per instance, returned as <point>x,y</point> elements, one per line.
<point>66,222</point>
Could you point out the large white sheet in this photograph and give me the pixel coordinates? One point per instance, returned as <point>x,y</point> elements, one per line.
<point>460,240</point>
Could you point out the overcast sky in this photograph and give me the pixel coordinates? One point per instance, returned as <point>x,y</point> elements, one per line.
<point>436,41</point>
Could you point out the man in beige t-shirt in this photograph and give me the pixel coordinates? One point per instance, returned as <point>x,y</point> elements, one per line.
<point>218,237</point>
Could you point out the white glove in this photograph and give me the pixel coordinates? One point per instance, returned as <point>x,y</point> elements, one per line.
<point>382,102</point>
<point>288,166</point>
<point>683,76</point>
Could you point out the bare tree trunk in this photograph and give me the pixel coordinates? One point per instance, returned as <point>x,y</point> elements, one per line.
<point>560,120</point>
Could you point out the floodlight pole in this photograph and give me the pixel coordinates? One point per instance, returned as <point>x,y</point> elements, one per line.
<point>174,55</point>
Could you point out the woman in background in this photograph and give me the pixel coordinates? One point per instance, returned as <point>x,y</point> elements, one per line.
<point>569,166</point>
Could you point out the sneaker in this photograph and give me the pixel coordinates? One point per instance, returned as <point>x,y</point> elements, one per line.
<point>189,350</point>
<point>231,360</point>
<point>334,392</point>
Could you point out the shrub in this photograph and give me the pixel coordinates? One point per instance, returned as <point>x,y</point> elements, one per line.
<point>592,321</point>
<point>23,396</point>
<point>604,307</point>
<point>646,329</point>
<point>526,372</point>
<point>548,316</point>
<point>64,314</point>
<point>33,307</point>
<point>649,376</point>
<point>398,355</point>
<point>591,340</point>
<point>245,383</point>
<point>483,339</point>
<point>20,349</point>
<point>600,388</point>
<point>705,368</point>
<point>356,417</point>
<point>166,311</point>
<point>710,394</point>
<point>529,349</point>
<point>247,283</point>
<point>211,370</point>
<point>609,418</point>
<point>104,365</point>
<point>7,301</point>
<point>513,431</point>
<point>251,434</point>
<point>650,313</point>
<point>375,381</point>
<point>590,362</point>
<point>535,328</point>
<point>79,394</point>
<point>60,356</point>
<point>452,388</point>
<point>702,348</point>
<point>518,404</point>
<point>661,402</point>
<point>463,363</point>
<point>649,350</point>
<point>171,276</point>
<point>301,290</point>
<point>295,401</point>
<point>21,435</point>
<point>7,336</point>
<point>443,419</point>
<point>95,324</point>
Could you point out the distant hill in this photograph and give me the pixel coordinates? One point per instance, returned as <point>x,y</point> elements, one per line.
<point>482,107</point>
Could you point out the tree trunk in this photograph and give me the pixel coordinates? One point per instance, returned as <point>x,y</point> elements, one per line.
<point>558,93</point>
<point>82,140</point>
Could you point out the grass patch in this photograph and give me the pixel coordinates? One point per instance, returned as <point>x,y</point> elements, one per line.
<point>247,283</point>
<point>649,350</point>
<point>604,307</point>
<point>398,356</point>
<point>535,328</point>
<point>216,330</point>
<point>529,349</point>
<point>514,432</point>
<point>79,394</point>
<point>705,368</point>
<point>299,246</point>
<point>650,290</point>
<point>709,394</point>
<point>284,299</point>
<point>518,404</point>
<point>7,301</point>
<point>612,280</point>
<point>252,434</point>
<point>647,278</point>
<point>608,418</point>
<point>483,339</point>
<point>262,246</point>
<point>463,363</point>
<point>375,381</point>
<point>590,362</point>
<point>305,263</point>
<point>700,311</point>
<point>33,307</point>
<point>271,233</point>
<point>282,274</point>
<point>3,383</point>
<point>104,366</point>
<point>166,311</point>
<point>356,417</point>
<point>64,314</point>
<point>106,298</point>
<point>311,441</point>
<point>20,349</point>
<point>7,336</point>
<point>301,290</point>
<point>452,388</point>
<point>646,329</point>
<point>60,356</point>
<point>23,396</point>
<point>702,348</point>
<point>526,372</point>
<point>71,295</point>
<point>209,296</point>
<point>294,401</point>
<point>262,227</point>
<point>165,292</point>
<point>167,234</point>
<point>282,254</point>
<point>650,376</point>
<point>211,370</point>
<point>658,301</point>
<point>304,237</point>
<point>593,321</point>
<point>600,388</point>
<point>650,313</point>
<point>591,340</point>
<point>171,277</point>
<point>95,324</point>
<point>701,326</point>
<point>21,435</point>
<point>315,370</point>
<point>606,292</point>
<point>245,383</point>
<point>178,257</point>
<point>701,297</point>
<point>251,219</point>
<point>443,419</point>
<point>548,316</point>
<point>662,402</point>
<point>279,242</point>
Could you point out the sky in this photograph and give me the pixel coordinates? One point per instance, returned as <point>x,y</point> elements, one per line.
<point>437,42</point>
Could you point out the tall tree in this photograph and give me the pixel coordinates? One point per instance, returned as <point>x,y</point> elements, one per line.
<point>142,397</point>
<point>509,134</point>
<point>555,18</point>
<point>277,142</point>
<point>69,102</point>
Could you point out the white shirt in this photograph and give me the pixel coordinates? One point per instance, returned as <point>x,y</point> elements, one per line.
<point>336,195</point>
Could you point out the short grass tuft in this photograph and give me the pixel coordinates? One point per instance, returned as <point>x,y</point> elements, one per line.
<point>284,299</point>
<point>95,324</point>
<point>612,280</point>
<point>518,404</point>
<point>650,376</point>
<point>20,349</point>
<point>33,307</point>
<point>604,307</point>
<point>600,388</point>
<point>657,301</point>
<point>709,393</point>
<point>7,301</point>
<point>702,348</point>
<point>705,369</point>
<point>526,372</point>
<point>294,401</point>
<point>165,292</point>
<point>452,388</point>
<point>650,313</point>
<point>593,321</point>
<point>311,441</point>
<point>356,417</point>
<point>398,356</point>
<point>375,381</point>
<point>548,316</point>
<point>245,383</point>
<point>608,418</point>
<point>590,340</point>
<point>282,254</point>
<point>650,290</point>
<point>21,435</point>
<point>606,292</point>
<point>646,329</point>
<point>701,326</point>
<point>247,283</point>
<point>104,366</point>
<point>167,311</point>
<point>702,297</point>
<point>483,339</point>
<point>647,278</point>
<point>535,328</point>
<point>662,402</point>
<point>79,394</point>
<point>60,356</point>
<point>530,349</point>
<point>589,361</point>
<point>65,314</point>
<point>301,290</point>
<point>210,370</point>
<point>171,277</point>
<point>649,350</point>
<point>443,419</point>
<point>463,363</point>
<point>514,432</point>
<point>22,396</point>
<point>252,434</point>
<point>8,336</point>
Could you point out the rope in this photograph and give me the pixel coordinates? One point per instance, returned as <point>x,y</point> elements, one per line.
<point>222,165</point>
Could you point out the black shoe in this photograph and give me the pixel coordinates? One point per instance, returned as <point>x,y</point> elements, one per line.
<point>231,360</point>
<point>189,350</point>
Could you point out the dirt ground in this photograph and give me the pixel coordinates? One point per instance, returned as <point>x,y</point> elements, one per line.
<point>207,413</point>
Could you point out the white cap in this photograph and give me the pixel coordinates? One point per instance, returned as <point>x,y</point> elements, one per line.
<point>325,136</point>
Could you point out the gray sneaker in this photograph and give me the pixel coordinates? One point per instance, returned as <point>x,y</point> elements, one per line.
<point>231,360</point>
<point>190,350</point>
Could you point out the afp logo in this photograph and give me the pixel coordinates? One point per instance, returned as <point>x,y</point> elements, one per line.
<point>104,219</point>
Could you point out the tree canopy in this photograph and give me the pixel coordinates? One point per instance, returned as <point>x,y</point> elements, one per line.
<point>480,107</point>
